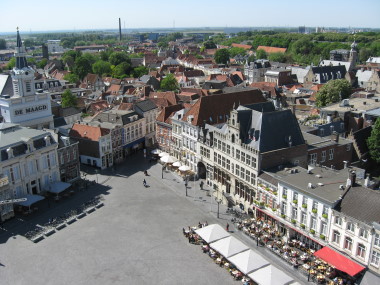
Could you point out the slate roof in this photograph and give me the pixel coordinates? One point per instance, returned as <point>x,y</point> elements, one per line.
<point>145,105</point>
<point>216,108</point>
<point>326,73</point>
<point>167,112</point>
<point>267,130</point>
<point>362,204</point>
<point>20,60</point>
<point>6,87</point>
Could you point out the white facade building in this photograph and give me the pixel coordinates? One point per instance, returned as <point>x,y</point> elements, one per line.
<point>54,46</point>
<point>25,106</point>
<point>28,159</point>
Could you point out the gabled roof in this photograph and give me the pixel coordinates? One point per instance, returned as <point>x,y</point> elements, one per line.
<point>241,46</point>
<point>168,95</point>
<point>166,113</point>
<point>271,49</point>
<point>88,132</point>
<point>216,108</point>
<point>145,105</point>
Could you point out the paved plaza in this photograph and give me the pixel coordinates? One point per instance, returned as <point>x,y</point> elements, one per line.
<point>136,238</point>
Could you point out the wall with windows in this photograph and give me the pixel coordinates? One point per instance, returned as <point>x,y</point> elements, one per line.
<point>351,237</point>
<point>374,257</point>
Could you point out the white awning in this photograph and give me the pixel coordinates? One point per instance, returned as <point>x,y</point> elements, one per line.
<point>229,246</point>
<point>168,159</point>
<point>270,275</point>
<point>58,187</point>
<point>248,261</point>
<point>212,233</point>
<point>162,154</point>
<point>30,200</point>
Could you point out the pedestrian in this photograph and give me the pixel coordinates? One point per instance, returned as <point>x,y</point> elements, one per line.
<point>201,184</point>
<point>227,227</point>
<point>144,182</point>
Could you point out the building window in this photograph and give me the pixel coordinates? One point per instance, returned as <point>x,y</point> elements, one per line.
<point>313,223</point>
<point>313,158</point>
<point>283,208</point>
<point>243,157</point>
<point>284,192</point>
<point>377,240</point>
<point>295,213</point>
<point>248,159</point>
<point>315,205</point>
<point>338,220</point>
<point>28,86</point>
<point>375,258</point>
<point>323,157</point>
<point>303,218</point>
<point>336,237</point>
<point>363,233</point>
<point>348,243</point>
<point>331,154</point>
<point>323,228</point>
<point>295,196</point>
<point>237,154</point>
<point>350,226</point>
<point>361,250</point>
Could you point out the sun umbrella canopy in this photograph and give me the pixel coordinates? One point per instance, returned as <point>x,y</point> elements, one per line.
<point>212,233</point>
<point>168,159</point>
<point>229,246</point>
<point>270,275</point>
<point>177,164</point>
<point>162,154</point>
<point>184,168</point>
<point>155,151</point>
<point>248,261</point>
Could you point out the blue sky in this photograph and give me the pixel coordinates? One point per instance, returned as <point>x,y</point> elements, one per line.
<point>93,14</point>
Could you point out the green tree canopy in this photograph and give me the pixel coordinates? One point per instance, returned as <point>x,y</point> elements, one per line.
<point>82,67</point>
<point>374,142</point>
<point>3,44</point>
<point>101,67</point>
<point>121,70</point>
<point>169,83</point>
<point>119,57</point>
<point>71,77</point>
<point>333,91</point>
<point>42,63</point>
<point>234,51</point>
<point>140,71</point>
<point>11,63</point>
<point>222,56</point>
<point>71,55</point>
<point>68,99</point>
<point>364,54</point>
<point>261,54</point>
<point>277,56</point>
<point>209,45</point>
<point>251,58</point>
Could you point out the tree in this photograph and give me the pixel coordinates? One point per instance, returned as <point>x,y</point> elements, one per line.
<point>3,44</point>
<point>169,83</point>
<point>209,45</point>
<point>42,63</point>
<point>101,67</point>
<point>11,63</point>
<point>68,99</point>
<point>277,56</point>
<point>364,54</point>
<point>119,57</point>
<point>71,77</point>
<point>234,51</point>
<point>222,56</point>
<point>140,71</point>
<point>251,58</point>
<point>333,91</point>
<point>121,70</point>
<point>82,67</point>
<point>261,54</point>
<point>373,142</point>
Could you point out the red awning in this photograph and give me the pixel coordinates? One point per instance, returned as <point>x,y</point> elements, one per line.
<point>339,261</point>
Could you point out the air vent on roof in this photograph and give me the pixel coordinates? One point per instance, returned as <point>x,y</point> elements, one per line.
<point>310,185</point>
<point>320,184</point>
<point>318,176</point>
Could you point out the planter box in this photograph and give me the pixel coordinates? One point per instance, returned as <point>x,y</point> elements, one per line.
<point>101,204</point>
<point>49,232</point>
<point>71,220</point>
<point>90,210</point>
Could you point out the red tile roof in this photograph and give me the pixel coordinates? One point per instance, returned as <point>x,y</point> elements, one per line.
<point>169,96</point>
<point>88,132</point>
<point>213,109</point>
<point>167,112</point>
<point>126,106</point>
<point>271,49</point>
<point>242,46</point>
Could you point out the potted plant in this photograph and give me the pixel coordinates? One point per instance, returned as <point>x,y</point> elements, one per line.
<point>267,189</point>
<point>312,231</point>
<point>324,216</point>
<point>293,221</point>
<point>283,216</point>
<point>304,206</point>
<point>321,236</point>
<point>274,209</point>
<point>274,192</point>
<point>314,211</point>
<point>284,196</point>
<point>295,201</point>
<point>302,226</point>
<point>266,206</point>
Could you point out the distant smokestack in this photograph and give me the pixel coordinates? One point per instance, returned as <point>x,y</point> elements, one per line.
<point>119,29</point>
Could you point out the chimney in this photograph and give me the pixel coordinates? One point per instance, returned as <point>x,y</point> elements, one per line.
<point>345,164</point>
<point>335,137</point>
<point>352,176</point>
<point>366,181</point>
<point>119,29</point>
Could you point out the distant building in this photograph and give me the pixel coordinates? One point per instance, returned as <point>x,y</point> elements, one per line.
<point>301,29</point>
<point>54,46</point>
<point>68,157</point>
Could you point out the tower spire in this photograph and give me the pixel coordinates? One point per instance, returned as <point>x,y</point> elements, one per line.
<point>20,53</point>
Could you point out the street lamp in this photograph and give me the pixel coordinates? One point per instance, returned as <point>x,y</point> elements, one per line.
<point>186,185</point>
<point>217,199</point>
<point>162,172</point>
<point>97,171</point>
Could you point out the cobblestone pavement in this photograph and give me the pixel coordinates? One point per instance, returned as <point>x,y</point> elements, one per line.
<point>136,238</point>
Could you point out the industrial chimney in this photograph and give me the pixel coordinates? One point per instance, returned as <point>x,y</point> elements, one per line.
<point>119,29</point>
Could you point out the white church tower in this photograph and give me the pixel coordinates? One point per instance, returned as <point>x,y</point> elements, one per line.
<point>25,106</point>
